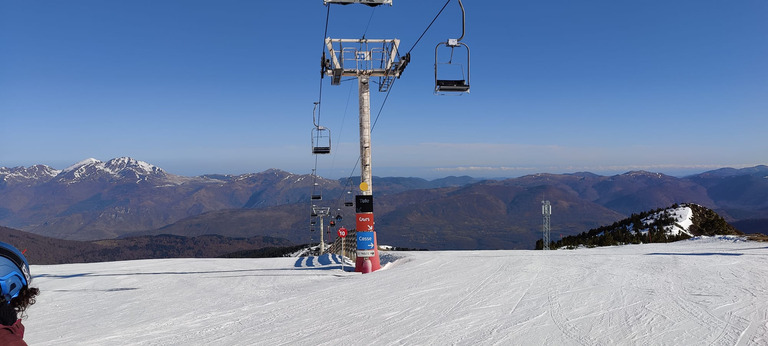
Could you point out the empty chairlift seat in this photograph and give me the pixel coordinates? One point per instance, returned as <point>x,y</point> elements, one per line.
<point>452,63</point>
<point>321,140</point>
<point>451,67</point>
<point>451,85</point>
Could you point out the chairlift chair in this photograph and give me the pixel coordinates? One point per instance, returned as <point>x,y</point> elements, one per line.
<point>450,75</point>
<point>321,140</point>
<point>458,78</point>
<point>315,194</point>
<point>348,200</point>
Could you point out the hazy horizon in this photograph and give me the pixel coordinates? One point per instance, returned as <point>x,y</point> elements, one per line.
<point>438,173</point>
<point>229,86</point>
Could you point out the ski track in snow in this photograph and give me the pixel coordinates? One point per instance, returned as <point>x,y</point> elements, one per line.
<point>711,291</point>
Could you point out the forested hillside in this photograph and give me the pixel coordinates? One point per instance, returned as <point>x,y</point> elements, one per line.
<point>662,225</point>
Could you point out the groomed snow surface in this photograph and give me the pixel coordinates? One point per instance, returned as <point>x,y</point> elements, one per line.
<point>706,291</point>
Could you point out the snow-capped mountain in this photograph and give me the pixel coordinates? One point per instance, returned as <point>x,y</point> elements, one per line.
<point>27,175</point>
<point>122,168</point>
<point>92,199</point>
<point>80,164</point>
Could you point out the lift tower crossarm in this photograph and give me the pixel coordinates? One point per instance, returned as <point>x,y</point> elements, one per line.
<point>336,64</point>
<point>371,3</point>
<point>357,57</point>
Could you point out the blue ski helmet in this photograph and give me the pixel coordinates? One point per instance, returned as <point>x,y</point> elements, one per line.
<point>14,271</point>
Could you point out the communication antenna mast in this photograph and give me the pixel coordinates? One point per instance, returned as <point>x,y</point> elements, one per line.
<point>546,210</point>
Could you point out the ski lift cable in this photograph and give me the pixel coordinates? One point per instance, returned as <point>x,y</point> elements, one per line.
<point>314,179</point>
<point>373,126</point>
<point>316,120</point>
<point>386,97</point>
<point>381,108</point>
<point>389,90</point>
<point>325,33</point>
<point>346,107</point>
<point>316,110</point>
<point>340,132</point>
<point>433,22</point>
<point>373,10</point>
<point>349,182</point>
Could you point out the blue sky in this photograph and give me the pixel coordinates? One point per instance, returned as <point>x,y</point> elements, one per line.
<point>228,86</point>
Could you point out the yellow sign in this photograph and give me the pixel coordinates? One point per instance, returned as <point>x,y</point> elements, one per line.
<point>363,186</point>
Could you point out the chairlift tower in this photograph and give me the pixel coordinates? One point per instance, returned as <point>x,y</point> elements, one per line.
<point>546,210</point>
<point>364,59</point>
<point>321,212</point>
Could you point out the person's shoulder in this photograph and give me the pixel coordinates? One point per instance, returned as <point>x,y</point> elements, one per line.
<point>12,335</point>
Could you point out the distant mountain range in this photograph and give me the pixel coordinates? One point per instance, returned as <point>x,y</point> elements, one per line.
<point>46,250</point>
<point>122,197</point>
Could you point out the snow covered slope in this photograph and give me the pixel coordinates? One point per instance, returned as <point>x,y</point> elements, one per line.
<point>707,291</point>
<point>682,217</point>
<point>27,175</point>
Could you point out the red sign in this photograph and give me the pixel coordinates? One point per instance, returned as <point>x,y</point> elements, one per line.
<point>364,222</point>
<point>342,232</point>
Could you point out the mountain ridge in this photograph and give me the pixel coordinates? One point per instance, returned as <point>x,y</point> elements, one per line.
<point>46,250</point>
<point>125,196</point>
